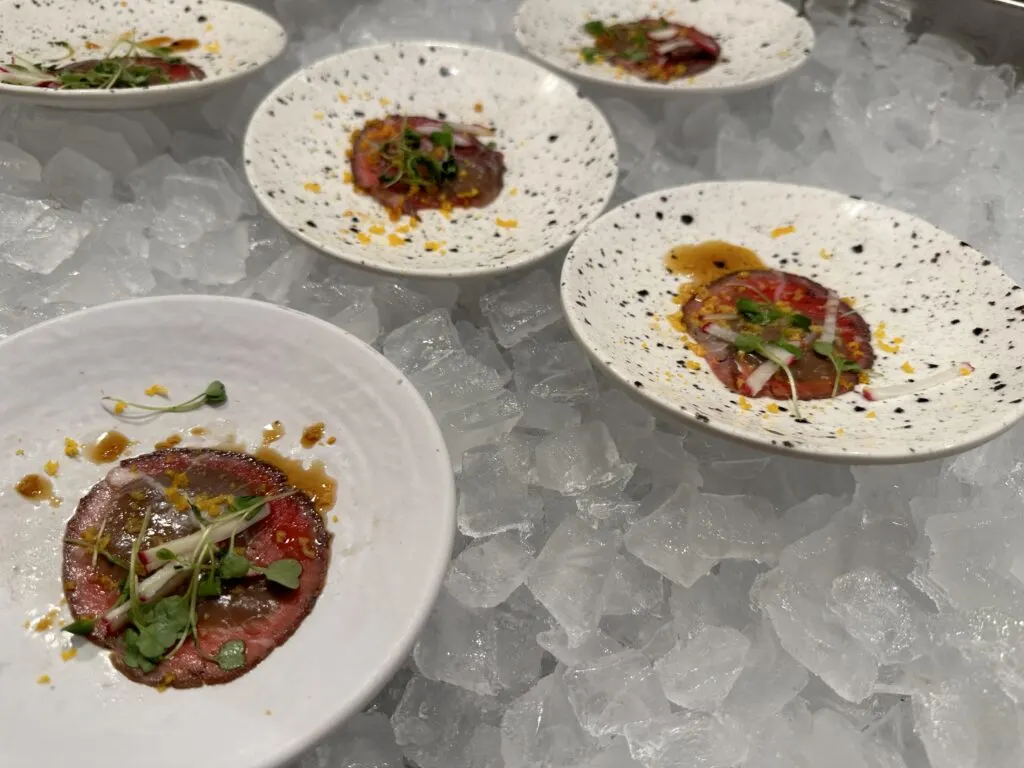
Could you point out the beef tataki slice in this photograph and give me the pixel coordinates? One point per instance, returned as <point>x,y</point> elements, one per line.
<point>261,614</point>
<point>479,182</point>
<point>176,71</point>
<point>814,375</point>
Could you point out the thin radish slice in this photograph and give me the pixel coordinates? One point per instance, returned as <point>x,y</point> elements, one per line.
<point>780,355</point>
<point>675,45</point>
<point>472,130</point>
<point>760,377</point>
<point>661,35</point>
<point>720,332</point>
<point>914,387</point>
<point>161,583</point>
<point>214,534</point>
<point>828,333</point>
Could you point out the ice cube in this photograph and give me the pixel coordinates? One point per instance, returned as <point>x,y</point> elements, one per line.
<point>491,498</point>
<point>17,164</point>
<point>568,576</point>
<point>482,651</point>
<point>879,613</point>
<point>631,588</point>
<point>146,182</point>
<point>730,526</point>
<point>435,722</point>
<point>969,722</point>
<point>559,371</point>
<point>547,415</point>
<point>487,572</point>
<point>480,424</point>
<point>105,148</point>
<point>19,215</point>
<point>614,691</point>
<point>291,267</point>
<point>360,317</point>
<point>426,340</point>
<point>226,177</point>
<point>596,645</point>
<point>47,242</point>
<point>540,729</point>
<point>770,679</point>
<point>455,382</point>
<point>580,458</point>
<point>484,748</point>
<point>813,635</point>
<point>618,410</point>
<point>365,741</point>
<point>661,541</point>
<point>480,345</point>
<point>700,673</point>
<point>399,304</point>
<point>72,178</point>
<point>519,309</point>
<point>608,512</point>
<point>688,738</point>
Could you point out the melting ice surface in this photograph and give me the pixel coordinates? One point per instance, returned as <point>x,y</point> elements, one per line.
<point>622,593</point>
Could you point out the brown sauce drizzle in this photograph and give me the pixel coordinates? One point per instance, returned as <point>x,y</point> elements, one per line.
<point>313,481</point>
<point>273,432</point>
<point>703,263</point>
<point>108,447</point>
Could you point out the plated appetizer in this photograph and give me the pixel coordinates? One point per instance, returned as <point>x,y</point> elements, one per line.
<point>652,48</point>
<point>767,333</point>
<point>410,164</point>
<point>128,63</point>
<point>192,565</point>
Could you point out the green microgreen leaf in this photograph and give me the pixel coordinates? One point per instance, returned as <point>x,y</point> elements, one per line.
<point>231,655</point>
<point>80,627</point>
<point>132,656</point>
<point>595,28</point>
<point>795,351</point>
<point>233,566</point>
<point>803,322</point>
<point>827,349</point>
<point>209,585</point>
<point>214,394</point>
<point>444,138</point>
<point>284,572</point>
<point>165,554</point>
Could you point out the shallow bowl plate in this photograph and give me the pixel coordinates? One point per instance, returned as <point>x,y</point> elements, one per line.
<point>762,41</point>
<point>393,525</point>
<point>234,40</point>
<point>559,152</point>
<point>941,303</point>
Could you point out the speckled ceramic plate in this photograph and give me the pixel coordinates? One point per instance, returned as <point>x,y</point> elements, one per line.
<point>559,154</point>
<point>392,524</point>
<point>234,40</point>
<point>929,299</point>
<point>762,41</point>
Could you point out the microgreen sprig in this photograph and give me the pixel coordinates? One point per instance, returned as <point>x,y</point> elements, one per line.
<point>768,313</point>
<point>749,342</point>
<point>214,394</point>
<point>418,164</point>
<point>827,349</point>
<point>161,627</point>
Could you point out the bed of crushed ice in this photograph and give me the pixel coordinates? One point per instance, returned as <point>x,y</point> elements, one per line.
<point>624,593</point>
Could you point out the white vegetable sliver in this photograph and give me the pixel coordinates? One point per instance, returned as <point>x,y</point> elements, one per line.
<point>660,35</point>
<point>915,387</point>
<point>673,45</point>
<point>721,332</point>
<point>757,380</point>
<point>214,534</point>
<point>161,583</point>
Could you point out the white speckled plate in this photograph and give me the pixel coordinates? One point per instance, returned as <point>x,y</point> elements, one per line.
<point>559,153</point>
<point>393,525</point>
<point>762,41</point>
<point>941,303</point>
<point>234,40</point>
